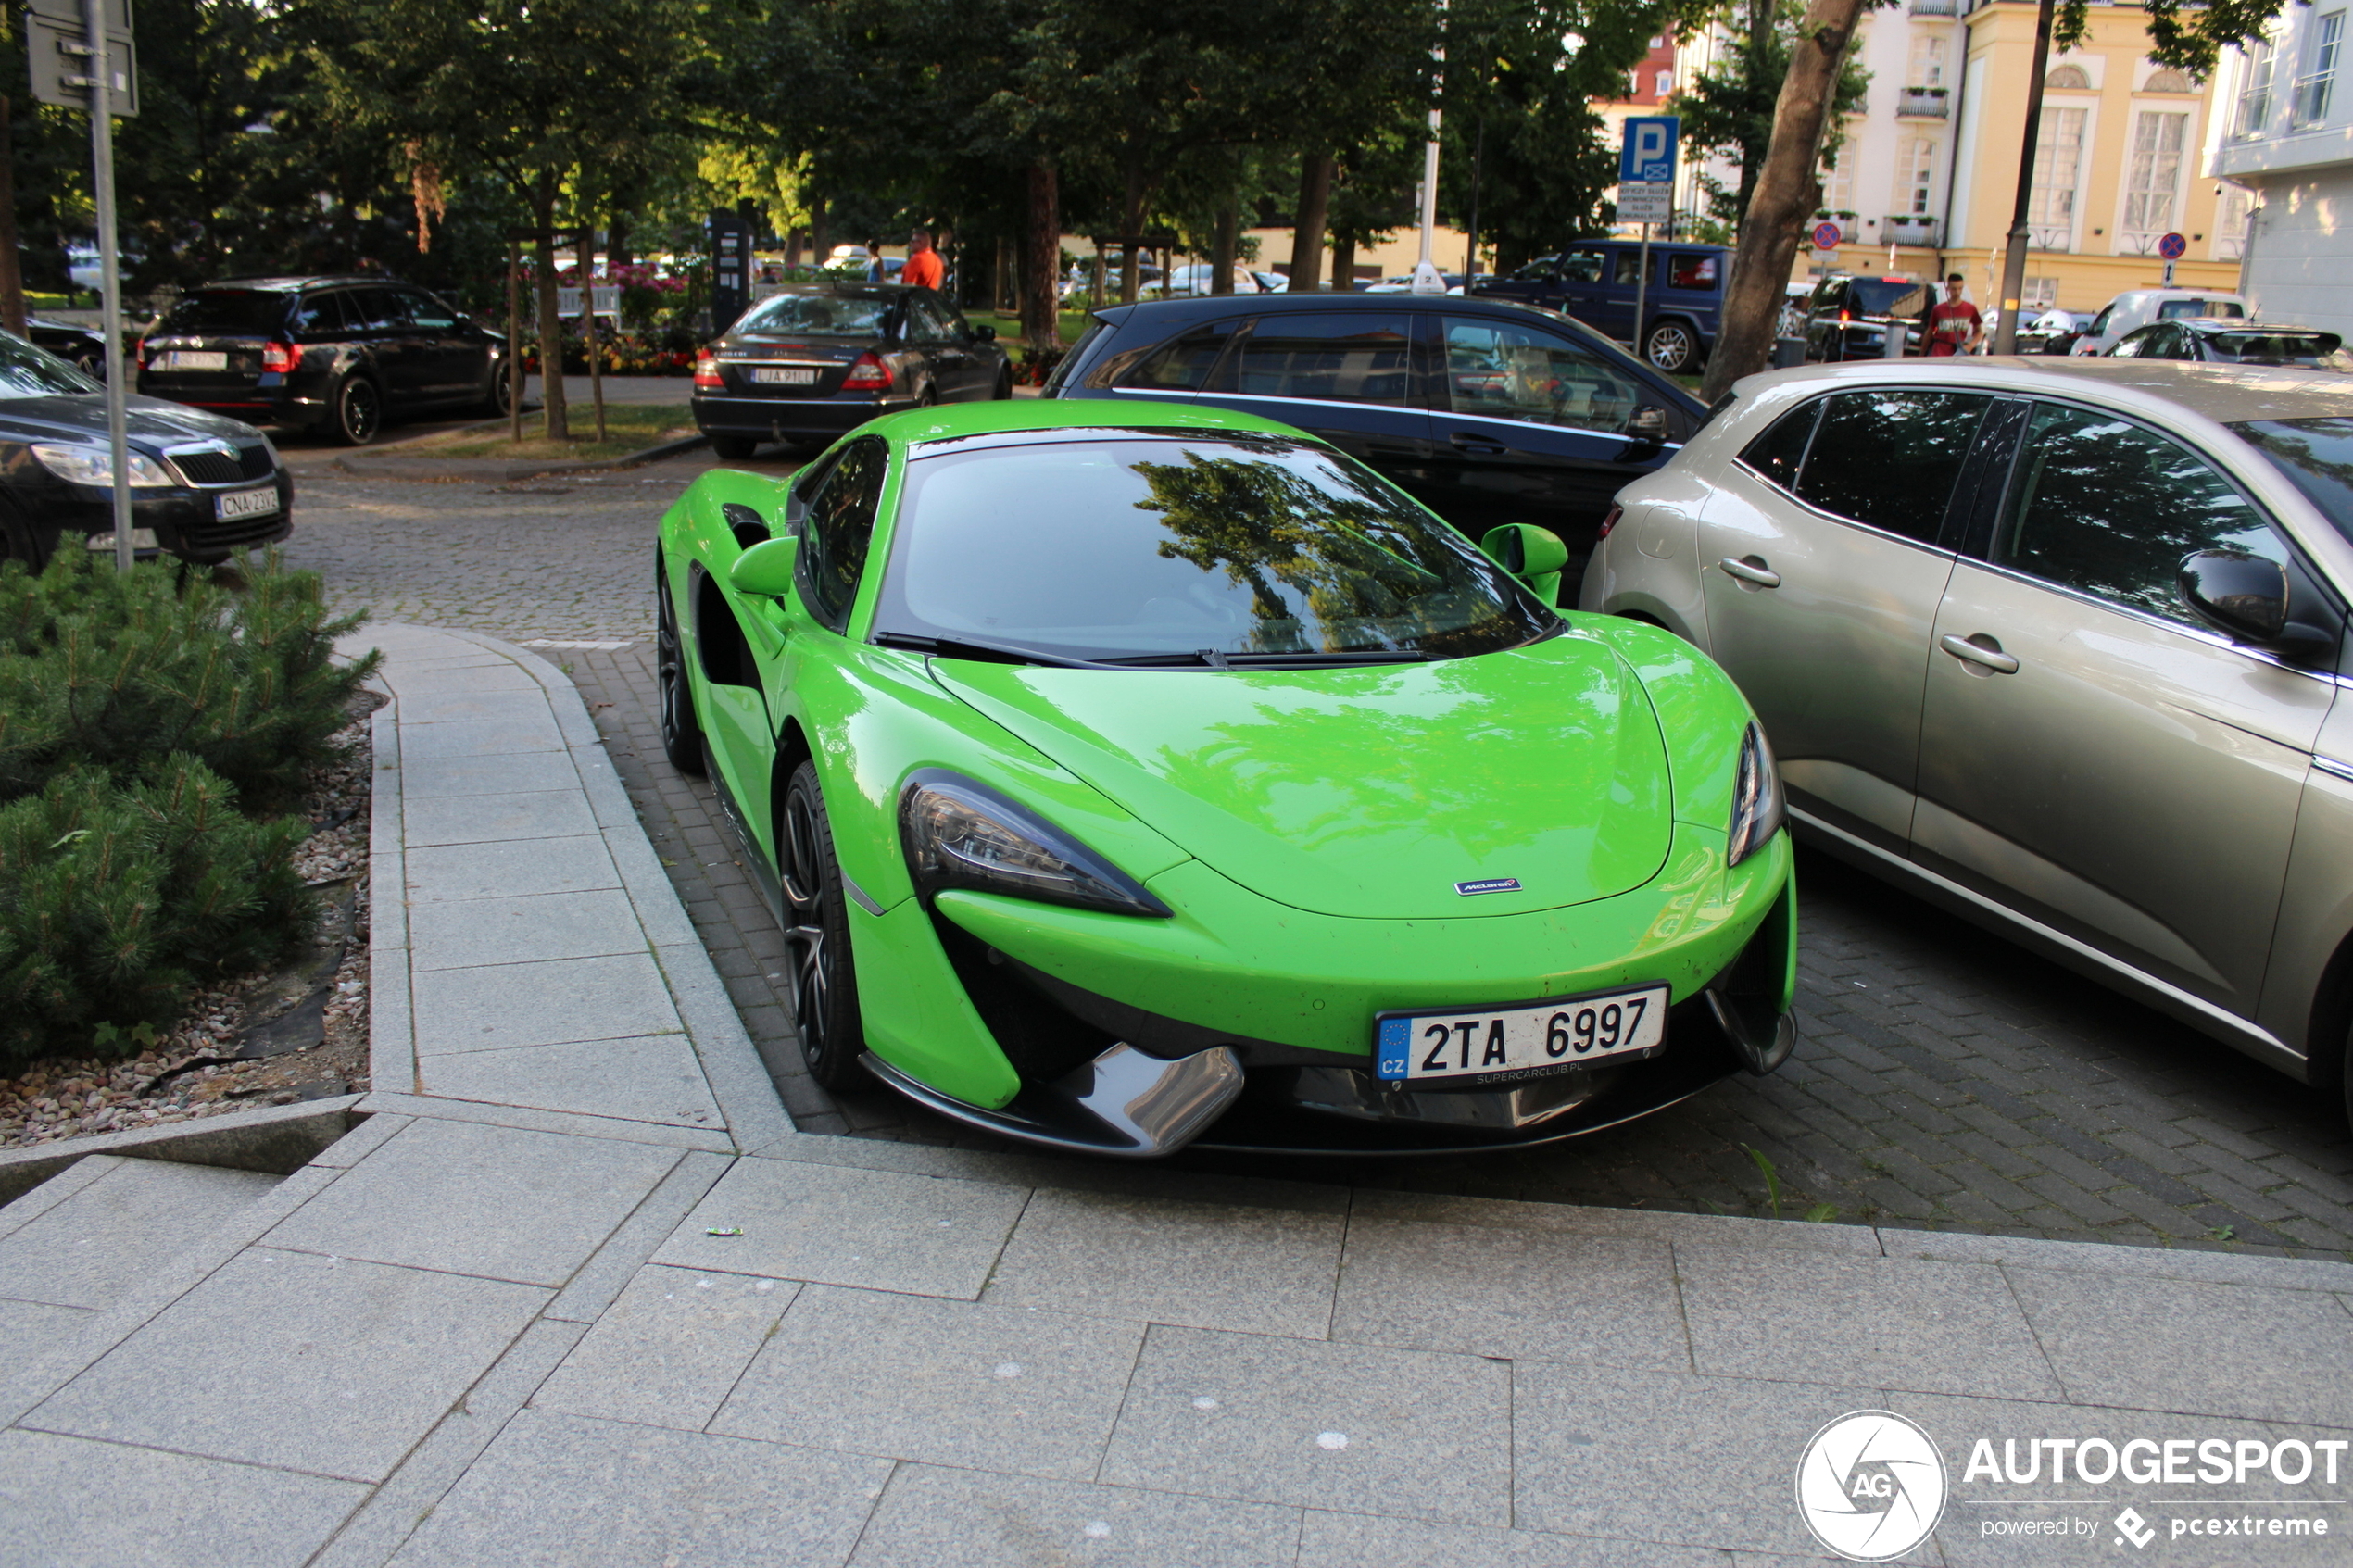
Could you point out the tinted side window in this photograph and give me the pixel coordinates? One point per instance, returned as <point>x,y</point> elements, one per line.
<point>1691,269</point>
<point>2103,505</point>
<point>1183,363</point>
<point>1353,356</point>
<point>1581,266</point>
<point>428,312</point>
<point>836,530</point>
<point>923,324</point>
<point>377,310</point>
<point>1778,452</point>
<point>1629,268</point>
<point>1889,458</point>
<point>320,317</point>
<point>1508,370</point>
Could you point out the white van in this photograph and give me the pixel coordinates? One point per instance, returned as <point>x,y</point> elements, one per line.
<point>2138,308</point>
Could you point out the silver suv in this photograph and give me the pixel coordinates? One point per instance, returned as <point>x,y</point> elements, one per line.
<point>2058,644</point>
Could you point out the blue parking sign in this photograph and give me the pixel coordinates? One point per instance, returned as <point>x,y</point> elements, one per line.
<point>1648,156</point>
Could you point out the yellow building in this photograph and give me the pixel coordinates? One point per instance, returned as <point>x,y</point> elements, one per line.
<point>2117,165</point>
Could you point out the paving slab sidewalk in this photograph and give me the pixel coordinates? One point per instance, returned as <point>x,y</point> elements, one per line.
<point>577,1292</point>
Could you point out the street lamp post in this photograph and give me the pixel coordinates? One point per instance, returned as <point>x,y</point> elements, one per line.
<point>2014,260</point>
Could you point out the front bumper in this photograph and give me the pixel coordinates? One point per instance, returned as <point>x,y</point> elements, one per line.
<point>1044,994</point>
<point>176,522</point>
<point>787,419</point>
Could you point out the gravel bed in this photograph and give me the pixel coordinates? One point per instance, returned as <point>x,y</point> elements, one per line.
<point>178,1077</point>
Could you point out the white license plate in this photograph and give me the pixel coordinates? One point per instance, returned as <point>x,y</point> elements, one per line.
<point>196,359</point>
<point>247,503</point>
<point>783,375</point>
<point>1535,1040</point>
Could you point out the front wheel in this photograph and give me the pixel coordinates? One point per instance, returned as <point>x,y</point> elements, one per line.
<point>1005,385</point>
<point>358,412</point>
<point>674,696</point>
<point>1671,346</point>
<point>501,401</point>
<point>824,984</point>
<point>733,448</point>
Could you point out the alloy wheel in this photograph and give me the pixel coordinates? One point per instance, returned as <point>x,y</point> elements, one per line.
<point>358,412</point>
<point>821,993</point>
<point>1670,347</point>
<point>681,733</point>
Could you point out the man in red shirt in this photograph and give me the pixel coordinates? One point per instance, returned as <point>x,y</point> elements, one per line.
<point>1953,326</point>
<point>922,268</point>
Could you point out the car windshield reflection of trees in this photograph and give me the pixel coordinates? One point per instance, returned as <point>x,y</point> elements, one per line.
<point>2317,456</point>
<point>26,371</point>
<point>1166,550</point>
<point>817,315</point>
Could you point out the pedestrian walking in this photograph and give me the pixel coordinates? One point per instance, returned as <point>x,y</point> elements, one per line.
<point>1953,326</point>
<point>922,268</point>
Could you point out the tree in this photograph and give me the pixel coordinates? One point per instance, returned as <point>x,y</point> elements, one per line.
<point>1730,110</point>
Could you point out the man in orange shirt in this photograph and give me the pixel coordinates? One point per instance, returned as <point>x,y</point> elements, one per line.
<point>922,268</point>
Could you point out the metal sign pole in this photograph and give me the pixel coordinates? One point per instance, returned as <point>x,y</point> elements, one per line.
<point>109,272</point>
<point>1641,293</point>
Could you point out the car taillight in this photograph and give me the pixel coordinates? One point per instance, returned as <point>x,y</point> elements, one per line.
<point>277,357</point>
<point>869,374</point>
<point>140,355</point>
<point>707,370</point>
<point>1610,522</point>
<point>1844,318</point>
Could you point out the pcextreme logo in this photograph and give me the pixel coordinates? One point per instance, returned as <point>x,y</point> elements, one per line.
<point>1871,1486</point>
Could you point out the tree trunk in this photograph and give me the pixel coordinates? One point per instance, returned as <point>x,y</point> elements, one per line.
<point>1221,250</point>
<point>820,232</point>
<point>1041,244</point>
<point>1138,196</point>
<point>551,323</point>
<point>1343,263</point>
<point>11,275</point>
<point>1307,235</point>
<point>588,325</point>
<point>617,252</point>
<point>1786,190</point>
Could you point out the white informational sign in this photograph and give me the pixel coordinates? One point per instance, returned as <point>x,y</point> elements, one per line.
<point>1428,279</point>
<point>1647,201</point>
<point>607,300</point>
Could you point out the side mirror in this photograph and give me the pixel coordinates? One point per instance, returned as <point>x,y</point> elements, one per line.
<point>1647,424</point>
<point>2243,594</point>
<point>765,569</point>
<point>984,333</point>
<point>1533,555</point>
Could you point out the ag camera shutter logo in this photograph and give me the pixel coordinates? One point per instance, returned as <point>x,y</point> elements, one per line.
<point>1871,1486</point>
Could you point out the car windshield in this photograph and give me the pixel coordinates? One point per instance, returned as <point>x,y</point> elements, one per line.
<point>243,312</point>
<point>1183,549</point>
<point>2190,309</point>
<point>2276,348</point>
<point>1888,296</point>
<point>2317,456</point>
<point>26,371</point>
<point>818,315</point>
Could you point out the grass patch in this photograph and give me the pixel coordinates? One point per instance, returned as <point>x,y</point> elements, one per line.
<point>1072,323</point>
<point>629,427</point>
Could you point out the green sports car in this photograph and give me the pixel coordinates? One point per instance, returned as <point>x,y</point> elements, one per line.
<point>1130,778</point>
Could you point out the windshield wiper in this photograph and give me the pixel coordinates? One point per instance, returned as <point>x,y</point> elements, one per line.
<point>997,653</point>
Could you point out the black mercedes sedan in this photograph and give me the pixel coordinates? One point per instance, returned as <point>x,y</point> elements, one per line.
<point>201,486</point>
<point>805,365</point>
<point>1487,411</point>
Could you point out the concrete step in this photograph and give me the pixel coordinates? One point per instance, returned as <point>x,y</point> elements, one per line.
<point>84,1236</point>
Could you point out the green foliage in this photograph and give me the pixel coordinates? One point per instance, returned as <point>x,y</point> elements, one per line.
<point>1819,1215</point>
<point>1730,110</point>
<point>118,670</point>
<point>114,897</point>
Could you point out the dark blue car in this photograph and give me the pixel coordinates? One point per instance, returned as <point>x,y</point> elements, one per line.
<point>1486,410</point>
<point>1598,281</point>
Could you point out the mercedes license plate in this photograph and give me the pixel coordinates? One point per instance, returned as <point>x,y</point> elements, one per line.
<point>1532,1040</point>
<point>196,359</point>
<point>247,503</point>
<point>783,375</point>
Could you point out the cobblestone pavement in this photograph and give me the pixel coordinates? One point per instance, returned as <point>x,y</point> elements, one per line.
<point>1946,1079</point>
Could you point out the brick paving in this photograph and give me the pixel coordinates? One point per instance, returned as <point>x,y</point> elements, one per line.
<point>1945,1080</point>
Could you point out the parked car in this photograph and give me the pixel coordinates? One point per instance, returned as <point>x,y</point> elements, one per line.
<point>1195,278</point>
<point>1079,283</point>
<point>1046,727</point>
<point>1272,283</point>
<point>1848,318</point>
<point>1487,411</point>
<point>2053,332</point>
<point>82,348</point>
<point>2138,308</point>
<point>811,362</point>
<point>339,356</point>
<point>201,487</point>
<point>1597,281</point>
<point>2232,342</point>
<point>2058,644</point>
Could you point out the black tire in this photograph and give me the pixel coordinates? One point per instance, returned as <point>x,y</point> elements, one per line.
<point>1671,346</point>
<point>1005,385</point>
<point>501,401</point>
<point>358,412</point>
<point>733,448</point>
<point>673,693</point>
<point>821,981</point>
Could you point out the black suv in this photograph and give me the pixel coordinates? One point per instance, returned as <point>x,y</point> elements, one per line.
<point>339,356</point>
<point>1485,410</point>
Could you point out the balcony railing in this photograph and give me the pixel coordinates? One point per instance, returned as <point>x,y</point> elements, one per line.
<point>1933,7</point>
<point>1911,231</point>
<point>1921,103</point>
<point>2050,239</point>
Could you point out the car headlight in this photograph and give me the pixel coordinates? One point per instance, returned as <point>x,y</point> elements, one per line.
<point>95,467</point>
<point>1758,809</point>
<point>958,833</point>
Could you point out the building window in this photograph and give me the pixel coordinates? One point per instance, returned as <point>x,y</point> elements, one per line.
<point>1915,178</point>
<point>2312,88</point>
<point>1927,61</point>
<point>1666,82</point>
<point>1838,189</point>
<point>2229,223</point>
<point>2156,174</point>
<point>2058,161</point>
<point>2037,294</point>
<point>2167,82</point>
<point>2255,93</point>
<point>2068,78</point>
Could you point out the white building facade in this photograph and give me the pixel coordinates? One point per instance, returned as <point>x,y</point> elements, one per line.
<point>2286,142</point>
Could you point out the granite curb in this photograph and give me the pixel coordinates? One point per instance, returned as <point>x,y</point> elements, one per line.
<point>459,471</point>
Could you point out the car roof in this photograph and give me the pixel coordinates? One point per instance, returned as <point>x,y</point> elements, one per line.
<point>1019,416</point>
<point>2230,324</point>
<point>1194,306</point>
<point>294,284</point>
<point>2225,393</point>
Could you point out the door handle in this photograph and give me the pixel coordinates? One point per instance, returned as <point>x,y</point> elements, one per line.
<point>1992,658</point>
<point>1751,570</point>
<point>1473,444</point>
